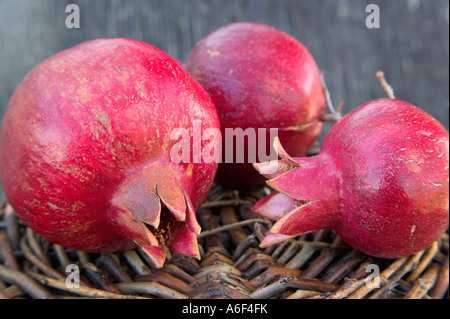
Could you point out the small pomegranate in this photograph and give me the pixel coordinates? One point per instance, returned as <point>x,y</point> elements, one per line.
<point>381,181</point>
<point>259,77</point>
<point>85,149</point>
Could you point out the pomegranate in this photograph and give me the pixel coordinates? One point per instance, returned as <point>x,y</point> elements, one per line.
<point>259,77</point>
<point>85,149</point>
<point>381,181</point>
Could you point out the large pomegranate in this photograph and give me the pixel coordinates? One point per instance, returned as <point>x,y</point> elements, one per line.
<point>380,181</point>
<point>259,78</point>
<point>85,149</point>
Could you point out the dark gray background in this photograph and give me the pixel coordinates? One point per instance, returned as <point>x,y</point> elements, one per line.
<point>411,46</point>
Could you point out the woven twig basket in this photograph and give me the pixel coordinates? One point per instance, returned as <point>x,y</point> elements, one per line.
<point>318,265</point>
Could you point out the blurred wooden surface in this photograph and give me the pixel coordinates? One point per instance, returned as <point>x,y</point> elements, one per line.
<point>411,46</point>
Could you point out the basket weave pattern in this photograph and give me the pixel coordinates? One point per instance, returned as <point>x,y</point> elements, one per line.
<point>318,265</point>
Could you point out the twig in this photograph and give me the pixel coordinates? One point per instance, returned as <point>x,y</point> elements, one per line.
<point>6,251</point>
<point>26,283</point>
<point>387,88</point>
<point>304,254</point>
<point>441,285</point>
<point>321,262</point>
<point>35,247</point>
<point>335,114</point>
<point>80,290</point>
<point>110,262</point>
<point>61,255</point>
<point>384,279</point>
<point>394,280</point>
<point>97,278</point>
<point>179,273</point>
<point>12,226</point>
<point>338,271</point>
<point>292,282</point>
<point>231,226</point>
<point>303,294</point>
<point>136,262</point>
<point>235,282</point>
<point>424,283</point>
<point>83,257</point>
<point>340,106</point>
<point>166,279</point>
<point>151,288</point>
<point>228,216</point>
<point>424,263</point>
<point>45,268</point>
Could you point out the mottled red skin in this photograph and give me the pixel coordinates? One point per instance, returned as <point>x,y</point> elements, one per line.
<point>381,181</point>
<point>85,121</point>
<point>259,77</point>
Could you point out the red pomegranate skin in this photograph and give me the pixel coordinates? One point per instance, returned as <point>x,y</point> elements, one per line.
<point>259,77</point>
<point>85,149</point>
<point>381,181</point>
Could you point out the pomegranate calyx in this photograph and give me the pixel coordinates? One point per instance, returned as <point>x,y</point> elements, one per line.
<point>298,206</point>
<point>273,239</point>
<point>275,206</point>
<point>283,154</point>
<point>273,169</point>
<point>159,212</point>
<point>296,183</point>
<point>155,253</point>
<point>307,218</point>
<point>172,195</point>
